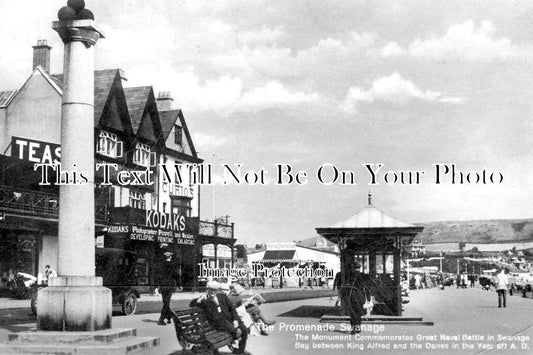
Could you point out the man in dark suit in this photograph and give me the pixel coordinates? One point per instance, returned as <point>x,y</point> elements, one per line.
<point>353,295</point>
<point>222,314</point>
<point>168,280</point>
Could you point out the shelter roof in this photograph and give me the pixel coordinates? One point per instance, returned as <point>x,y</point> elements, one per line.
<point>371,217</point>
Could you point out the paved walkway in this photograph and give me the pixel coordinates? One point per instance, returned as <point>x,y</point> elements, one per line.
<point>466,321</point>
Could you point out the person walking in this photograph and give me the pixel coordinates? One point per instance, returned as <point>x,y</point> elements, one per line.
<point>168,280</point>
<point>502,283</point>
<point>337,285</point>
<point>49,273</point>
<point>353,296</point>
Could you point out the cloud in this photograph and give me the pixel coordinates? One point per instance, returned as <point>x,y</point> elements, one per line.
<point>204,141</point>
<point>392,89</point>
<point>263,35</point>
<point>275,94</point>
<point>392,49</point>
<point>224,94</point>
<point>462,41</point>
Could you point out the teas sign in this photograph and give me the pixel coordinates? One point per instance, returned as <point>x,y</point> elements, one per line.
<point>35,151</point>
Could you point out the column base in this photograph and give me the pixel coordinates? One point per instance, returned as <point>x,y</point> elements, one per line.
<point>74,303</point>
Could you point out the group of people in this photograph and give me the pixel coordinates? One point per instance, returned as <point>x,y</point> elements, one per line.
<point>228,311</point>
<point>225,307</point>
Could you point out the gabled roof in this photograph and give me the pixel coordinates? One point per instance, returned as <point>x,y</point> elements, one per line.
<point>37,71</point>
<point>371,217</point>
<point>168,120</point>
<point>103,83</point>
<point>137,98</point>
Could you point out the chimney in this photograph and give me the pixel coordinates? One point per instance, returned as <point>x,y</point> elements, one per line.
<point>41,55</point>
<point>165,101</point>
<point>123,77</point>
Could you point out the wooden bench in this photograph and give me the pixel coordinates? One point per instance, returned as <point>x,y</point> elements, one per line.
<point>196,335</point>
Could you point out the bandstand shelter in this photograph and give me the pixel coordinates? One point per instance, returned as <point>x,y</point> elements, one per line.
<point>375,240</point>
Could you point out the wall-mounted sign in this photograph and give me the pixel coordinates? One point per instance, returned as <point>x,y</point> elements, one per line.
<point>148,234</point>
<point>35,151</point>
<point>177,190</point>
<point>223,251</point>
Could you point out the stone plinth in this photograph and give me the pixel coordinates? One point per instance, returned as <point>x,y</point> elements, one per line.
<point>116,341</point>
<point>74,303</point>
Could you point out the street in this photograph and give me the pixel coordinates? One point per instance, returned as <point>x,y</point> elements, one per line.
<point>466,321</point>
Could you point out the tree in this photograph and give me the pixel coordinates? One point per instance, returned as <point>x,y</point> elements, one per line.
<point>242,253</point>
<point>462,246</point>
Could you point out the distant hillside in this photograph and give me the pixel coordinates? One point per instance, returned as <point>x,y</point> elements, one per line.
<point>491,231</point>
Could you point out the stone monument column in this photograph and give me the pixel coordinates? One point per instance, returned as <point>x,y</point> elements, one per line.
<point>76,299</point>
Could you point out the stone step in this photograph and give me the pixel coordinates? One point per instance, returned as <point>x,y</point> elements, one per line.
<point>122,347</point>
<point>107,336</point>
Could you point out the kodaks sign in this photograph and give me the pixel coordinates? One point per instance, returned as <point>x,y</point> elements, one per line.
<point>163,220</point>
<point>159,227</point>
<point>35,151</point>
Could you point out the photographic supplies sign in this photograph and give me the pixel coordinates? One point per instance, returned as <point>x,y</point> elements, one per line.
<point>147,234</point>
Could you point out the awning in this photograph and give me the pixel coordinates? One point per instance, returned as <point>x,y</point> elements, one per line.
<point>279,256</point>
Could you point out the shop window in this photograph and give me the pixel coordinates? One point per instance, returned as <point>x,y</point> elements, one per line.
<point>181,206</point>
<point>109,145</point>
<point>178,134</point>
<point>137,200</point>
<point>143,156</point>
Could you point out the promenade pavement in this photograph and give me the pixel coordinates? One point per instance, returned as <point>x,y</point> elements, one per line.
<point>466,321</point>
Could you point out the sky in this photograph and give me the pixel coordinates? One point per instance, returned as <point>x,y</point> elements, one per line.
<point>404,84</point>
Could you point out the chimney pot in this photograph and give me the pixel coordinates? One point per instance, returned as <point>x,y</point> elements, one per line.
<point>165,101</point>
<point>41,55</point>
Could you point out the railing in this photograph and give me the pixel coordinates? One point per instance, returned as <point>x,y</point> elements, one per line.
<point>43,204</point>
<point>215,229</point>
<point>28,201</point>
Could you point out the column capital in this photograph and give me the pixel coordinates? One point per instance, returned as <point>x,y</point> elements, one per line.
<point>85,31</point>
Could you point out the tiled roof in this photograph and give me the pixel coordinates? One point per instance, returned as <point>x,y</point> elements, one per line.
<point>136,99</point>
<point>103,82</point>
<point>6,96</point>
<point>168,120</point>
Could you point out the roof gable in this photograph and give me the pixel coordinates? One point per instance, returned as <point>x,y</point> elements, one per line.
<point>38,71</point>
<point>144,116</point>
<point>115,113</point>
<point>169,119</point>
<point>136,99</point>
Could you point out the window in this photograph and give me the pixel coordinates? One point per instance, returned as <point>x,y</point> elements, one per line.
<point>181,206</point>
<point>178,133</point>
<point>137,200</point>
<point>109,145</point>
<point>142,154</point>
